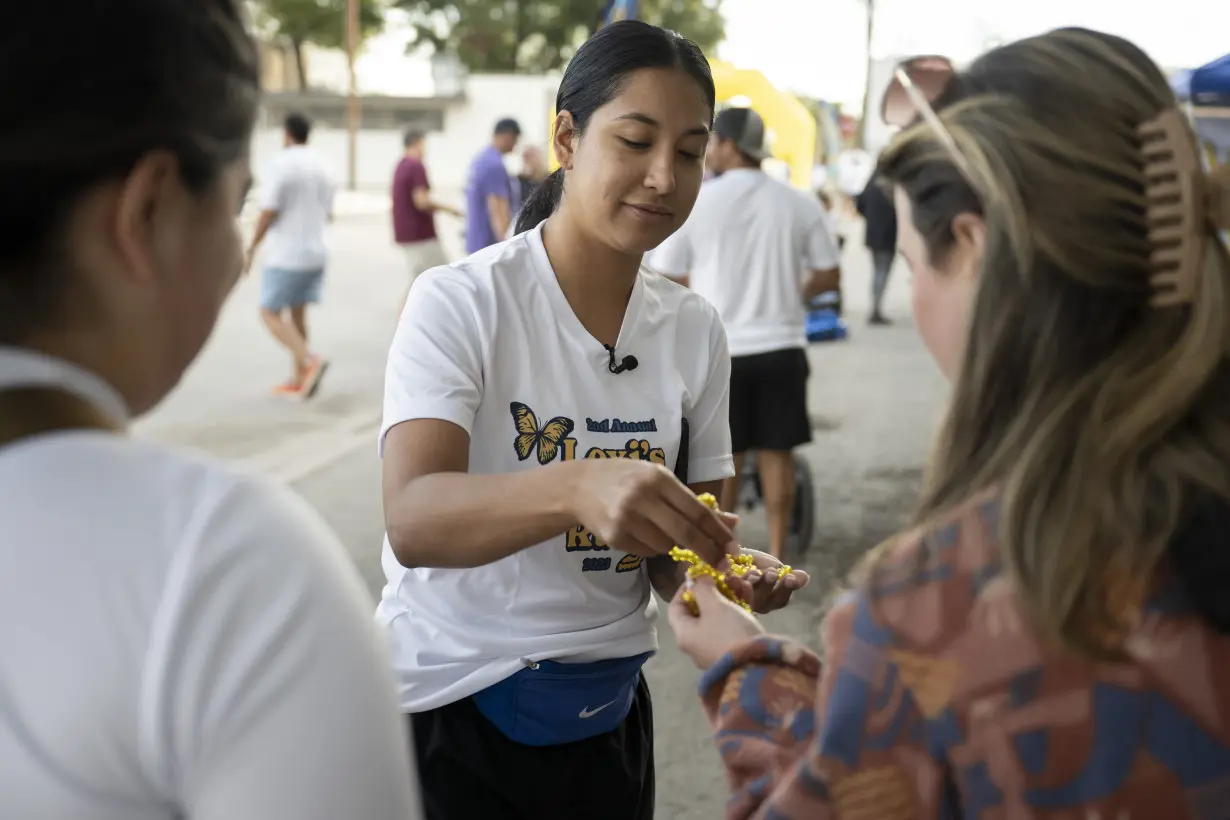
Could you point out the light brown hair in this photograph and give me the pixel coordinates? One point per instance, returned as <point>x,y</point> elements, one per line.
<point>1099,420</point>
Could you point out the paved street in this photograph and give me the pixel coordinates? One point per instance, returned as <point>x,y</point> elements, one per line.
<point>875,400</point>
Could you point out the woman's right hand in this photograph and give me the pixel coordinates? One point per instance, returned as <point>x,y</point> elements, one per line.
<point>642,508</point>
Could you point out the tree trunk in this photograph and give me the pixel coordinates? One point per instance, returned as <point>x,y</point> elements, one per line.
<point>520,34</point>
<point>300,68</point>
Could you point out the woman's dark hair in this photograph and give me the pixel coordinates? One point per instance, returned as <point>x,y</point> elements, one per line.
<point>83,96</point>
<point>597,74</point>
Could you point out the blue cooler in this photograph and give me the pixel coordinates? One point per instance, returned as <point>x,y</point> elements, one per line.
<point>823,322</point>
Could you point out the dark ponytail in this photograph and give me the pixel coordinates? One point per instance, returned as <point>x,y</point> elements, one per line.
<point>542,203</point>
<point>596,75</point>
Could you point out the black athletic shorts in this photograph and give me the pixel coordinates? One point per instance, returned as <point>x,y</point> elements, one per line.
<point>768,400</point>
<point>469,769</point>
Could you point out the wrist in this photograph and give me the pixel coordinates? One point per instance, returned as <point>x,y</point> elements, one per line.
<point>666,575</point>
<point>759,649</point>
<point>564,498</point>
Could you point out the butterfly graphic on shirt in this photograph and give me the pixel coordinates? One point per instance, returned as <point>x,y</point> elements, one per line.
<point>530,437</point>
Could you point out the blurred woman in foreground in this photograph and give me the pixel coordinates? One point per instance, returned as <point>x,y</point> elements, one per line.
<point>1052,636</point>
<point>176,641</point>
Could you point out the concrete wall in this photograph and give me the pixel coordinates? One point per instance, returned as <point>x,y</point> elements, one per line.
<point>467,128</point>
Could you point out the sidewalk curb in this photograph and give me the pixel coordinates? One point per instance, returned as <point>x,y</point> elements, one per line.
<point>305,455</point>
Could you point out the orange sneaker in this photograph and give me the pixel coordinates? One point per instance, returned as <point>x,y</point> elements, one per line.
<point>312,376</point>
<point>289,390</point>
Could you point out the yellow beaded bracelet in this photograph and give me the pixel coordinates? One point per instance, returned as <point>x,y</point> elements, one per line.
<point>740,565</point>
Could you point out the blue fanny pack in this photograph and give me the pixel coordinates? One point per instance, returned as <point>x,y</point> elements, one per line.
<point>549,703</point>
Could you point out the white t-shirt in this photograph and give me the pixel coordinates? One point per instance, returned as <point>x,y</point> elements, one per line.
<point>747,248</point>
<point>854,170</point>
<point>491,344</point>
<point>299,189</point>
<point>179,642</point>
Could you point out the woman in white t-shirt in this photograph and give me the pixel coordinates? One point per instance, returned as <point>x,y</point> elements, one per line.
<point>176,640</point>
<point>541,383</point>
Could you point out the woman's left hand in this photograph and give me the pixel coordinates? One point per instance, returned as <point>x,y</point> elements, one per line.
<point>764,587</point>
<point>719,626</point>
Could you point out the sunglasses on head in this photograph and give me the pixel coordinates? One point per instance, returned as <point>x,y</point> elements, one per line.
<point>917,83</point>
<point>1184,196</point>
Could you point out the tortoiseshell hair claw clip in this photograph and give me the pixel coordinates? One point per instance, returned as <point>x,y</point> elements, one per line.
<point>1183,201</point>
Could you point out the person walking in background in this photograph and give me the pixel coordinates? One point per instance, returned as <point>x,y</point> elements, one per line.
<point>880,237</point>
<point>758,251</point>
<point>533,172</point>
<point>489,190</point>
<point>296,207</point>
<point>414,211</point>
<point>178,641</point>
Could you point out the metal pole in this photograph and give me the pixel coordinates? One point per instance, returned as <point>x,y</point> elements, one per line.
<point>352,100</point>
<point>867,107</point>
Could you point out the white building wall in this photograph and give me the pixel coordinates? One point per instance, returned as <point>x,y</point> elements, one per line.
<point>467,128</point>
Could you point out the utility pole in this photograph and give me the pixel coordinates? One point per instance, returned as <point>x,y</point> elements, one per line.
<point>352,99</point>
<point>871,23</point>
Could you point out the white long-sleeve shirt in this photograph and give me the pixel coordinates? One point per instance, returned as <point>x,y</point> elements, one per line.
<point>177,641</point>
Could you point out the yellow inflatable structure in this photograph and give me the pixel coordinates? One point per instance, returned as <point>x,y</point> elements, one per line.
<point>792,127</point>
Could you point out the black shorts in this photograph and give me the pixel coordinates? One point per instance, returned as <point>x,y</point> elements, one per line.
<point>469,769</point>
<point>768,400</point>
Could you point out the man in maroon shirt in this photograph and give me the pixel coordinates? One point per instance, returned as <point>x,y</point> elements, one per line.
<point>414,211</point>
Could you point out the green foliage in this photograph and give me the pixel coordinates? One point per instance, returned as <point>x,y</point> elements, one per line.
<point>320,22</point>
<point>534,36</point>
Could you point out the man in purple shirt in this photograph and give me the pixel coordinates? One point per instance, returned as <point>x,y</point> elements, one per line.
<point>489,194</point>
<point>414,211</point>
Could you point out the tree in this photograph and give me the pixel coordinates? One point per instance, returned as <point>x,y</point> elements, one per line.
<point>319,22</point>
<point>541,35</point>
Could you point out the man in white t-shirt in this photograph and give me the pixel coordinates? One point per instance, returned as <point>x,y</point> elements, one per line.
<point>296,208</point>
<point>757,249</point>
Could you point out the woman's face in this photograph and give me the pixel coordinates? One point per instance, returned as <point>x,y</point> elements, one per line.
<point>944,293</point>
<point>162,260</point>
<point>209,260</point>
<point>633,177</point>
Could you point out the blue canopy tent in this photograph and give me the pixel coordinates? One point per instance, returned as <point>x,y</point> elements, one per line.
<point>1210,84</point>
<point>615,10</point>
<point>1207,89</point>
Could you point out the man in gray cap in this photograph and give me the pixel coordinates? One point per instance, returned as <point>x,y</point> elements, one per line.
<point>758,250</point>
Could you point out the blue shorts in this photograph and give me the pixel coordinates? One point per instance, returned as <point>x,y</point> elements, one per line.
<point>282,289</point>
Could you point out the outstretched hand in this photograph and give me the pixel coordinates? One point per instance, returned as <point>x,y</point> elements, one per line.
<point>717,627</point>
<point>764,587</point>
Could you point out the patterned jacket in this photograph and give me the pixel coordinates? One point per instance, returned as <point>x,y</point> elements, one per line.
<point>936,701</point>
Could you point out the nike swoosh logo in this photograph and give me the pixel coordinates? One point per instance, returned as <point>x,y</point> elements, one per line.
<point>588,713</point>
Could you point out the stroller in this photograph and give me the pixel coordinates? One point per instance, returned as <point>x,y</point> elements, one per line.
<point>802,517</point>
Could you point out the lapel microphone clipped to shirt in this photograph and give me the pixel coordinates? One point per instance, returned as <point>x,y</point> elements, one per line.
<point>628,363</point>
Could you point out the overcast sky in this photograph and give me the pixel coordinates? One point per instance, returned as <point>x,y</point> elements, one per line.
<point>816,47</point>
